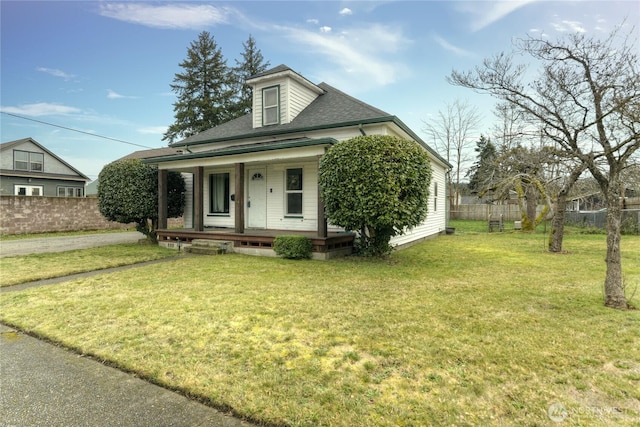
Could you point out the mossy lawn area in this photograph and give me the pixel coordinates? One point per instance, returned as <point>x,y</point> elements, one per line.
<point>466,329</point>
<point>29,268</point>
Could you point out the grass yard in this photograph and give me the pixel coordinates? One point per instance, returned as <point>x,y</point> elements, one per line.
<point>23,269</point>
<point>468,329</point>
<point>9,237</point>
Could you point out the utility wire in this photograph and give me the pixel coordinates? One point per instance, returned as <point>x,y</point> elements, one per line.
<point>74,130</point>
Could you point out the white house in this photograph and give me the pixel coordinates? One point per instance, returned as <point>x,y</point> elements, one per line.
<point>255,177</point>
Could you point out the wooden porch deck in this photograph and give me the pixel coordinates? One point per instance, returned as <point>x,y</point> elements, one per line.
<point>257,239</point>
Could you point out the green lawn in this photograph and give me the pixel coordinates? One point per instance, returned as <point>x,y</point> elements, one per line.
<point>467,329</point>
<point>22,269</point>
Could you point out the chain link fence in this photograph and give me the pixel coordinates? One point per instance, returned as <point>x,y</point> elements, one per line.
<point>598,219</point>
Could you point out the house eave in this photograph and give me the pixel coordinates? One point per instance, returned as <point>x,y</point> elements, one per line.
<point>277,131</point>
<point>42,175</point>
<point>236,150</point>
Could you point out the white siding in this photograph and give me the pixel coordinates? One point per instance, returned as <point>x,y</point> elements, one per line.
<point>435,222</point>
<point>276,218</point>
<point>294,97</point>
<point>299,98</point>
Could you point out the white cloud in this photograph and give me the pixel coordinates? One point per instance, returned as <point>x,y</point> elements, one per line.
<point>40,109</point>
<point>451,48</point>
<point>346,11</point>
<point>114,95</point>
<point>325,29</point>
<point>485,14</point>
<point>56,73</point>
<point>565,26</point>
<point>313,21</point>
<point>363,56</point>
<point>153,130</point>
<point>171,16</point>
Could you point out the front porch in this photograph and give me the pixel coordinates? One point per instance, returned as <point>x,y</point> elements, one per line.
<point>259,242</point>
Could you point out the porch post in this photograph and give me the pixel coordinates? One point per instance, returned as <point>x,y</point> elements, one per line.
<point>198,208</point>
<point>322,220</point>
<point>239,198</point>
<point>162,199</point>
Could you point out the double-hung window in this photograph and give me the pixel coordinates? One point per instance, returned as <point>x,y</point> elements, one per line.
<point>28,161</point>
<point>270,105</point>
<point>293,191</point>
<point>219,193</point>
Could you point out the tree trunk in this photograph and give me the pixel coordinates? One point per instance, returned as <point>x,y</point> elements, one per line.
<point>557,224</point>
<point>613,285</point>
<point>531,196</point>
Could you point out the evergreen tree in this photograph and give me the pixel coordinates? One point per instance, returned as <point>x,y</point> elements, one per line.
<point>252,63</point>
<point>204,90</point>
<point>482,173</point>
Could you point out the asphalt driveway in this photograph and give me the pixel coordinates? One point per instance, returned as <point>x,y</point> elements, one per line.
<point>39,245</point>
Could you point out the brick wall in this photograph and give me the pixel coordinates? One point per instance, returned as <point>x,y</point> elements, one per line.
<point>31,215</point>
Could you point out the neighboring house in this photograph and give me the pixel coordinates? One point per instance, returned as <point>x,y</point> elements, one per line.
<point>257,176</point>
<point>28,169</point>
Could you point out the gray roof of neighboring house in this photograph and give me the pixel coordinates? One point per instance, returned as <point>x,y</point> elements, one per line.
<point>154,152</point>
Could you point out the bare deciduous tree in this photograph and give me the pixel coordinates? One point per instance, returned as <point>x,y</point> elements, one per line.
<point>453,133</point>
<point>586,97</point>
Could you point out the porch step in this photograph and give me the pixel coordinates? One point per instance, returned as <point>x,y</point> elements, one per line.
<point>209,247</point>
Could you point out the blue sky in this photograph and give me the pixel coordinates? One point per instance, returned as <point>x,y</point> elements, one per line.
<point>104,68</point>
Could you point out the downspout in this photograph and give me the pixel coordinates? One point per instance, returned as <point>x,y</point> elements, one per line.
<point>362,130</point>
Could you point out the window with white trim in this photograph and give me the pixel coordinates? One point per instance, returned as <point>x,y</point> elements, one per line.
<point>293,191</point>
<point>28,190</point>
<point>219,193</point>
<point>271,105</point>
<point>28,161</point>
<point>70,192</point>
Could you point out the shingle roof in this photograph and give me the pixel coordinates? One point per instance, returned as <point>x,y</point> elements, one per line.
<point>280,68</point>
<point>331,109</point>
<point>155,152</point>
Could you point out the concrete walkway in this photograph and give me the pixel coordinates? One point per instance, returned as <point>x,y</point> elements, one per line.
<point>42,384</point>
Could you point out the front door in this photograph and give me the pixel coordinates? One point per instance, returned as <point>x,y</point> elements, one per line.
<point>257,198</point>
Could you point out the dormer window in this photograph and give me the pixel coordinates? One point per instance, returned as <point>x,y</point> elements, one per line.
<point>271,105</point>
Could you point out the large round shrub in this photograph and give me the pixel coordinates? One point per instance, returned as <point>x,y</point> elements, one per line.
<point>128,192</point>
<point>377,185</point>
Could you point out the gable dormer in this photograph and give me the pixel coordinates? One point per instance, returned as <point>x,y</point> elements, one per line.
<point>279,95</point>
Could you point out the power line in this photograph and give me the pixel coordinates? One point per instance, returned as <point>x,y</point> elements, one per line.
<point>74,130</point>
